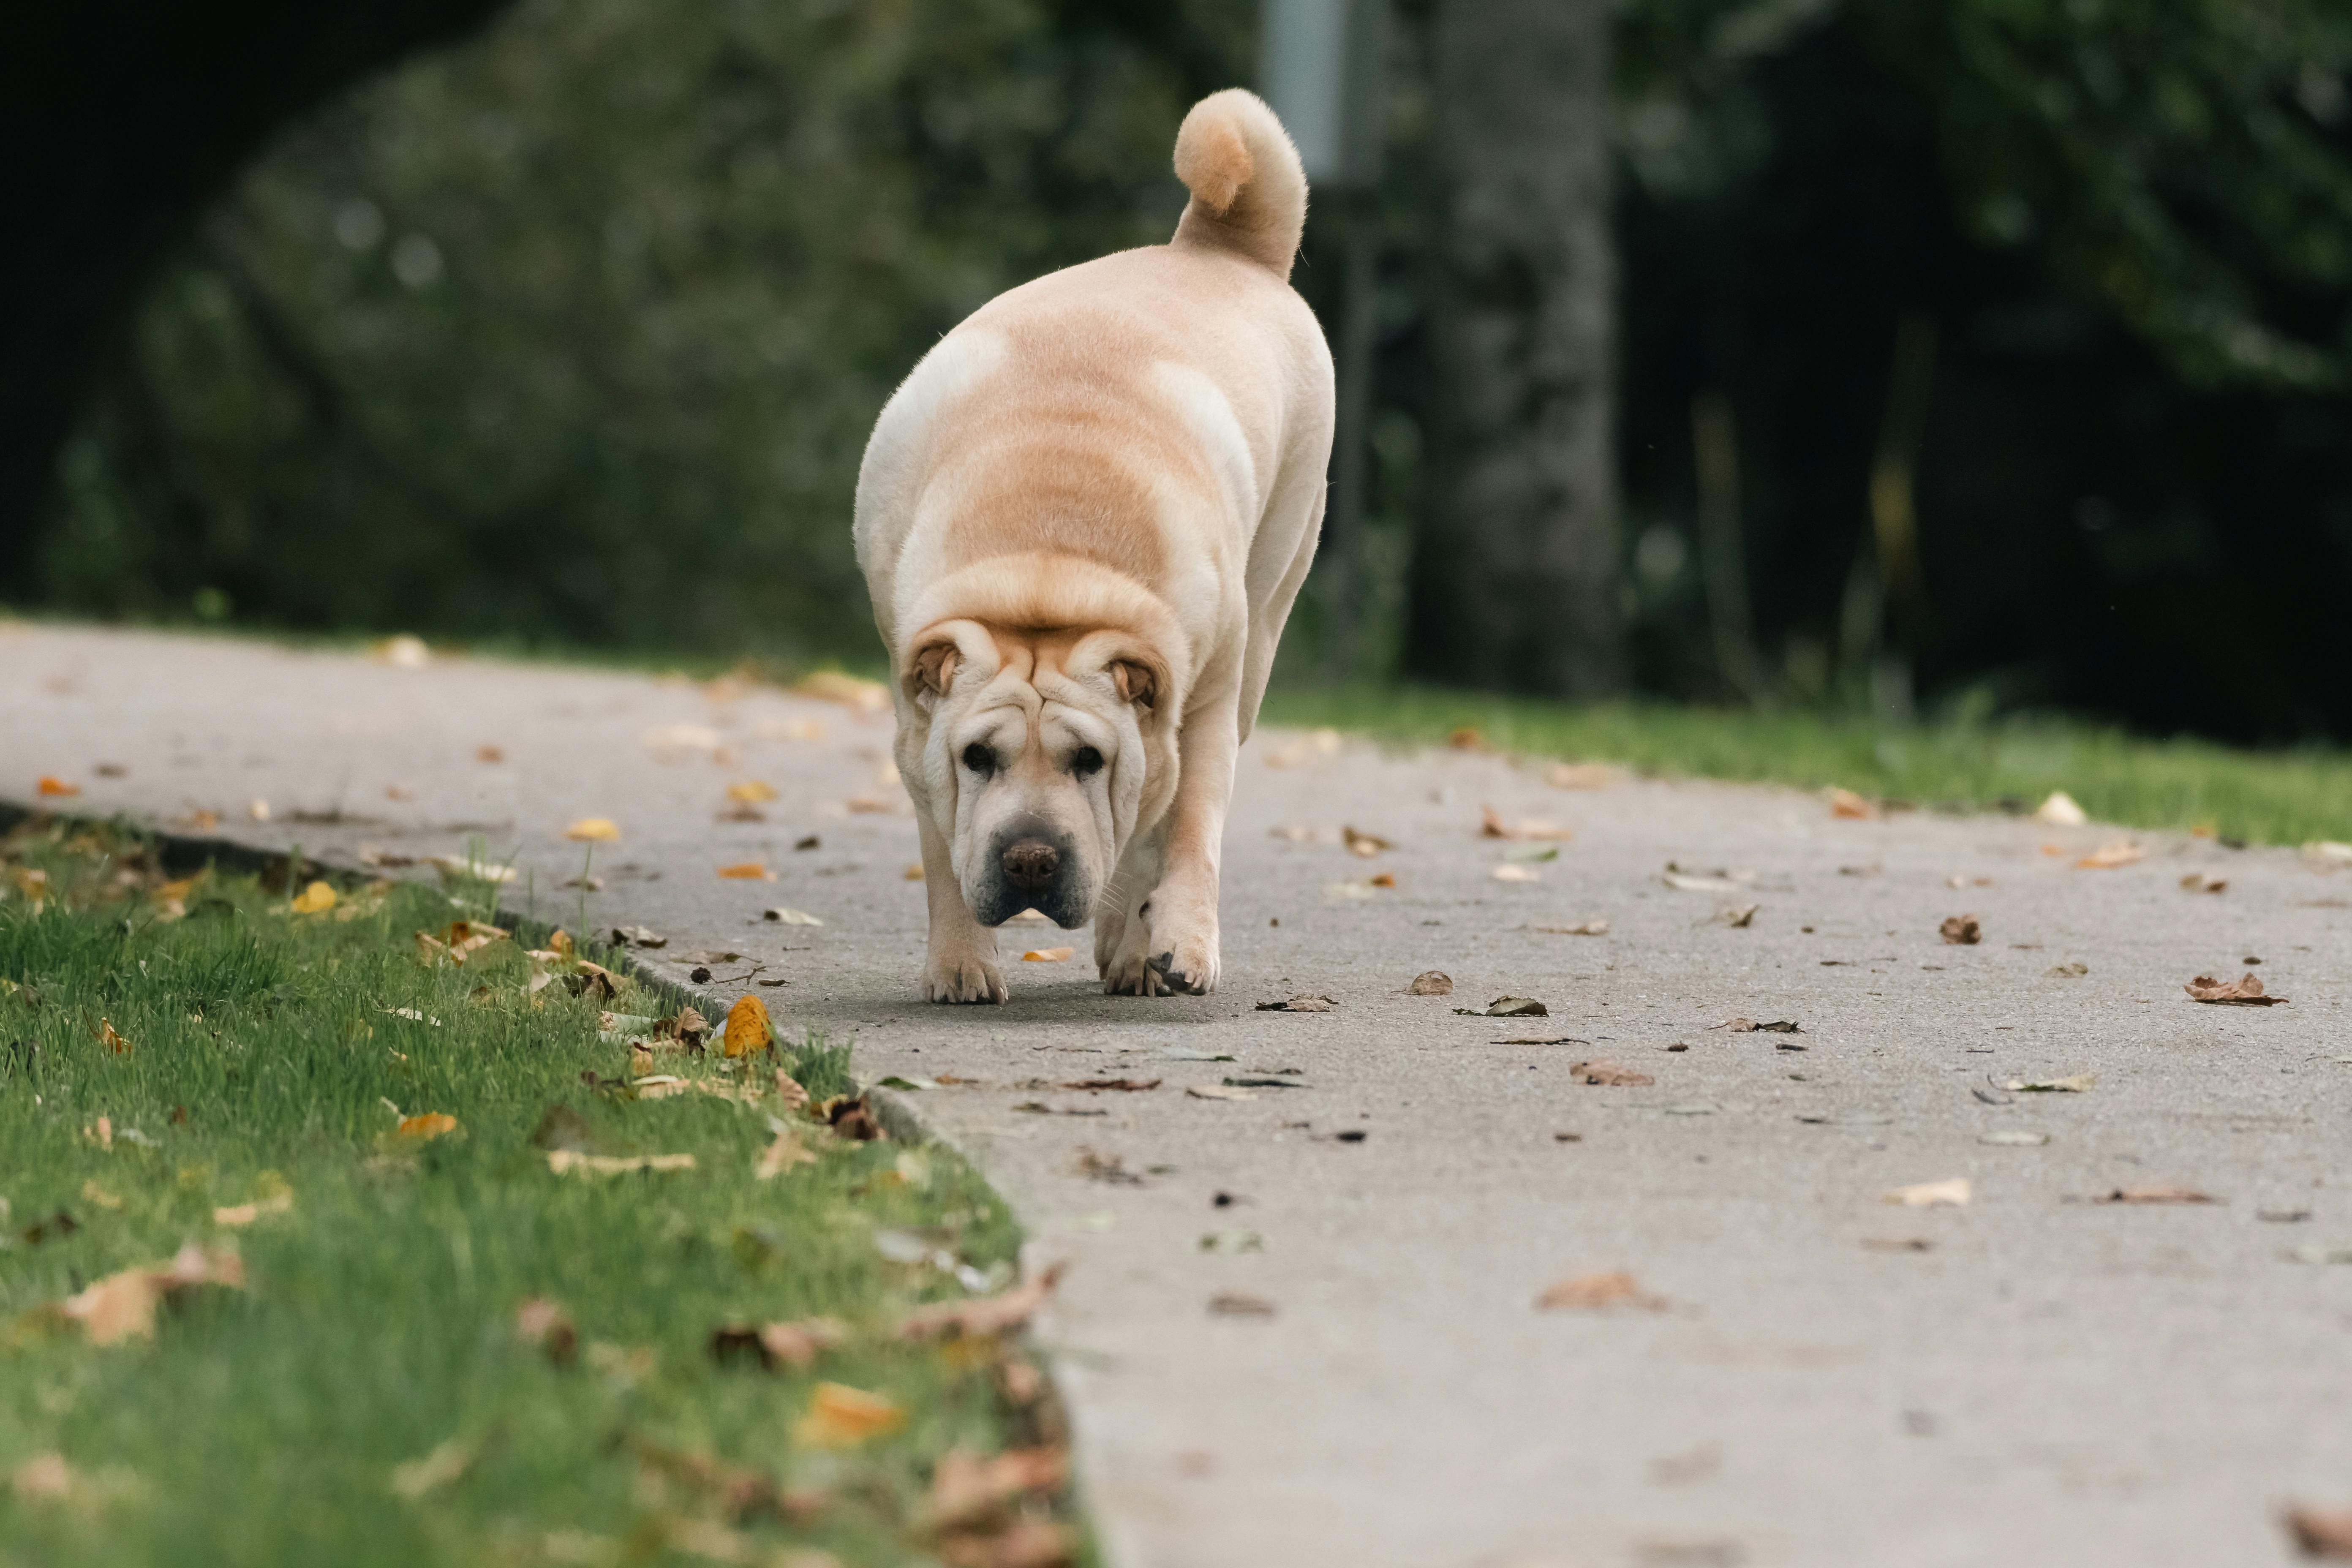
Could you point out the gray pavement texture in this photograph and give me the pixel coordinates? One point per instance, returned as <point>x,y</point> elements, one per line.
<point>1822,1377</point>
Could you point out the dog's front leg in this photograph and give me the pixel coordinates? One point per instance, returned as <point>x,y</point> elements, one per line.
<point>1181,917</point>
<point>960,965</point>
<point>1122,928</point>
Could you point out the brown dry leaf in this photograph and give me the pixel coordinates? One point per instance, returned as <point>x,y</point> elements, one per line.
<point>796,1345</point>
<point>429,1125</point>
<point>750,792</point>
<point>43,1478</point>
<point>850,1117</point>
<point>1361,844</point>
<point>567,1162</point>
<point>782,1154</point>
<point>1844,803</point>
<point>2317,1532</point>
<point>2107,856</point>
<point>1598,1292</point>
<point>747,871</point>
<point>1384,879</point>
<point>1047,955</point>
<point>1509,1007</point>
<point>1300,1004</point>
<point>2156,1194</point>
<point>1025,1543</point>
<point>1239,1304</point>
<point>1962,930</point>
<point>48,785</point>
<point>315,899</point>
<point>1750,1026</point>
<point>1739,917</point>
<point>845,1418</point>
<point>969,1489</point>
<point>1431,983</point>
<point>1581,775</point>
<point>1953,1191</point>
<point>2245,993</point>
<point>789,1090</point>
<point>123,1306</point>
<point>2080,1083</point>
<point>996,1314</point>
<point>591,980</point>
<point>1608,1075</point>
<point>914,872</point>
<point>2198,882</point>
<point>543,1325</point>
<point>1582,928</point>
<point>748,1029</point>
<point>2067,971</point>
<point>112,1041</point>
<point>1115,1085</point>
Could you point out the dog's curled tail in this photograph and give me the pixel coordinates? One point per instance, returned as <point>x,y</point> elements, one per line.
<point>1249,189</point>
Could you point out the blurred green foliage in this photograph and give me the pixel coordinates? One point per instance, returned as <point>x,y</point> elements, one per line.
<point>572,335</point>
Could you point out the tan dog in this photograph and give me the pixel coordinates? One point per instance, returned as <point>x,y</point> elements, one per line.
<point>1083,519</point>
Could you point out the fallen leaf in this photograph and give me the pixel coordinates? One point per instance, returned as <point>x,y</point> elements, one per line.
<point>542,1325</point>
<point>1739,917</point>
<point>427,1126</point>
<point>1047,955</point>
<point>849,690</point>
<point>2014,1140</point>
<point>1508,1008</point>
<point>850,1117</point>
<point>2107,856</point>
<point>747,871</point>
<point>49,785</point>
<point>2156,1194</point>
<point>748,1029</point>
<point>1583,927</point>
<point>112,1041</point>
<point>1294,835</point>
<point>237,1215</point>
<point>2320,1532</point>
<point>1431,983</point>
<point>751,792</point>
<point>1581,775</point>
<point>2060,811</point>
<point>1844,803</point>
<point>1597,1292</point>
<point>1115,1085</point>
<point>1750,1026</point>
<point>44,1478</point>
<point>1492,826</point>
<point>315,899</point>
<point>123,1306</point>
<point>2329,855</point>
<point>2245,993</point>
<point>789,1090</point>
<point>998,1314</point>
<point>593,830</point>
<point>637,936</point>
<point>1510,871</point>
<point>790,916</point>
<point>1361,844</point>
<point>445,1465</point>
<point>1239,1304</point>
<point>489,754</point>
<point>1609,1075</point>
<point>1300,1004</point>
<point>455,869</point>
<point>1927,1194</point>
<point>1218,1091</point>
<point>567,1162</point>
<point>781,1155</point>
<point>258,809</point>
<point>914,872</point>
<point>2067,971</point>
<point>969,1489</point>
<point>1305,749</point>
<point>1962,930</point>
<point>1685,883</point>
<point>2198,882</point>
<point>2079,1084</point>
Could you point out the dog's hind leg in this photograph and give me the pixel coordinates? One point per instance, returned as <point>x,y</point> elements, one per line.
<point>1122,930</point>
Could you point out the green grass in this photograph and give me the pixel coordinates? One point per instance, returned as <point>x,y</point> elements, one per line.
<point>263,1426</point>
<point>2272,798</point>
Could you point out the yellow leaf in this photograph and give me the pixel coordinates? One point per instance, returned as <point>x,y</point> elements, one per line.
<point>564,1161</point>
<point>48,785</point>
<point>431,1124</point>
<point>748,871</point>
<point>593,830</point>
<point>315,899</point>
<point>748,1029</point>
<point>840,1416</point>
<point>751,792</point>
<point>1047,955</point>
<point>110,1040</point>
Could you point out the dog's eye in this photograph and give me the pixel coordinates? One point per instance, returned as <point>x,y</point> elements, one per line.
<point>1086,762</point>
<point>979,759</point>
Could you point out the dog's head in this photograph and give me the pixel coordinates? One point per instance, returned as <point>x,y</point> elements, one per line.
<point>1046,752</point>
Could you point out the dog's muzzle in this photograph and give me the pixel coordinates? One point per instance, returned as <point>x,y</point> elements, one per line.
<point>1031,867</point>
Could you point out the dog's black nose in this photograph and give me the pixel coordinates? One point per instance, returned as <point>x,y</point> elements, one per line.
<point>1031,864</point>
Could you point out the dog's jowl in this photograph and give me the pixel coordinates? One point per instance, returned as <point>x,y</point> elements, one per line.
<point>1083,518</point>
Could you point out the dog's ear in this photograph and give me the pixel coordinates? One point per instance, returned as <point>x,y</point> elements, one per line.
<point>1135,681</point>
<point>933,667</point>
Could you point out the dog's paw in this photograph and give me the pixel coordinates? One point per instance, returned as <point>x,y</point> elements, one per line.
<point>969,978</point>
<point>1186,960</point>
<point>1131,974</point>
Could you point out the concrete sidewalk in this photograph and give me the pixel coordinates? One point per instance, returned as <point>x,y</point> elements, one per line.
<point>1300,1325</point>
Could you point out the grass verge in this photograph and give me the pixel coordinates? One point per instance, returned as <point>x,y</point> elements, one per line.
<point>433,1347</point>
<point>2264,797</point>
